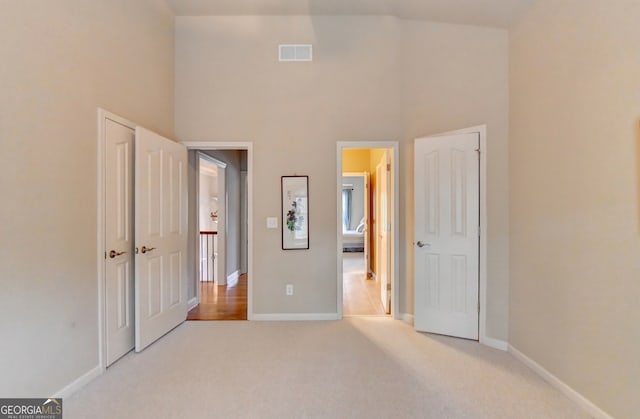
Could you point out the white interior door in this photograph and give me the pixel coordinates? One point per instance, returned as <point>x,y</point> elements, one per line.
<point>447,202</point>
<point>382,181</point>
<point>161,236</point>
<point>119,145</point>
<point>367,251</point>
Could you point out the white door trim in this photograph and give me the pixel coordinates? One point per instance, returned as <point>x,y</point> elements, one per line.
<point>482,131</point>
<point>395,158</point>
<point>101,219</point>
<point>240,145</point>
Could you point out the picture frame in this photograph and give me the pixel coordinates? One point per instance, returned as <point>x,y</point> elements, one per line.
<point>295,212</point>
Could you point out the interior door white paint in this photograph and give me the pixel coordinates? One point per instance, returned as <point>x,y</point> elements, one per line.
<point>367,236</point>
<point>447,202</point>
<point>161,236</point>
<point>382,274</point>
<point>119,159</point>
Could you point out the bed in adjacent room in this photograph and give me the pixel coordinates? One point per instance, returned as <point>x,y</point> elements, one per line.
<point>353,240</point>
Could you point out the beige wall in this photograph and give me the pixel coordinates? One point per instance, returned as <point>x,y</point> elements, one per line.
<point>372,78</point>
<point>575,269</point>
<point>230,86</point>
<point>60,61</point>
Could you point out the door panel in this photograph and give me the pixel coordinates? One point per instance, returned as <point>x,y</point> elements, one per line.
<point>119,141</point>
<point>161,236</point>
<point>447,202</point>
<point>367,246</point>
<point>382,175</point>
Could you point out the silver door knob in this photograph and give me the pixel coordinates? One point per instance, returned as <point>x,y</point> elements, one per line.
<point>421,244</point>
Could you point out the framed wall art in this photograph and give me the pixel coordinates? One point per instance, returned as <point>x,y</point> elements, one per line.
<point>295,212</point>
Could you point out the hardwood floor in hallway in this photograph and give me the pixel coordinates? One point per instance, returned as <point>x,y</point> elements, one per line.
<point>361,296</point>
<point>221,302</point>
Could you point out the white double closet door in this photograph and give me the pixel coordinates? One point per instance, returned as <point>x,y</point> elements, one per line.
<point>145,230</point>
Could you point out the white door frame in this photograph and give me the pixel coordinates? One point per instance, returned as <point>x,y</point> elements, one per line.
<point>395,242</point>
<point>482,131</point>
<point>248,146</point>
<point>101,219</point>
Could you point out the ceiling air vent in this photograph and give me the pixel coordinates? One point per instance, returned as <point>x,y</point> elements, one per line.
<point>295,52</point>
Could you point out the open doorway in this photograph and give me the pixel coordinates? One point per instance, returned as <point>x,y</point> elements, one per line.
<point>211,215</point>
<point>219,242</point>
<point>360,294</point>
<point>366,239</point>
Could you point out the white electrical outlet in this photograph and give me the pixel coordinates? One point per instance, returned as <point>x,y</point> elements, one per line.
<point>289,289</point>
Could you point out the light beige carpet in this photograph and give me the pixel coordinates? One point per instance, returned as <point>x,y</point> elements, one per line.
<point>360,367</point>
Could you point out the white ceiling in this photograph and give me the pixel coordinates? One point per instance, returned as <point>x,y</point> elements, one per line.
<point>497,13</point>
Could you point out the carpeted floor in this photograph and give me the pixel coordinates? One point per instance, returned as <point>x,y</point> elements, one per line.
<point>360,367</point>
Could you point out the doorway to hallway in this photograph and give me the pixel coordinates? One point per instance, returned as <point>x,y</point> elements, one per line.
<point>366,234</point>
<point>219,209</point>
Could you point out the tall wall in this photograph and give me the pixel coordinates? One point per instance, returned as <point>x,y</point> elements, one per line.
<point>575,176</point>
<point>372,78</point>
<point>61,59</point>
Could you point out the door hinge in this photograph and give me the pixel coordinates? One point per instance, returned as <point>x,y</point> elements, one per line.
<point>388,167</point>
<point>389,287</point>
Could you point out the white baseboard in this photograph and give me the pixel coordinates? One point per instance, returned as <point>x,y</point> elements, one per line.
<point>79,382</point>
<point>192,303</point>
<point>233,277</point>
<point>494,343</point>
<point>294,316</point>
<point>406,317</point>
<point>560,385</point>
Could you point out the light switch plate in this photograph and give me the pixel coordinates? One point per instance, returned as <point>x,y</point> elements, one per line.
<point>272,222</point>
